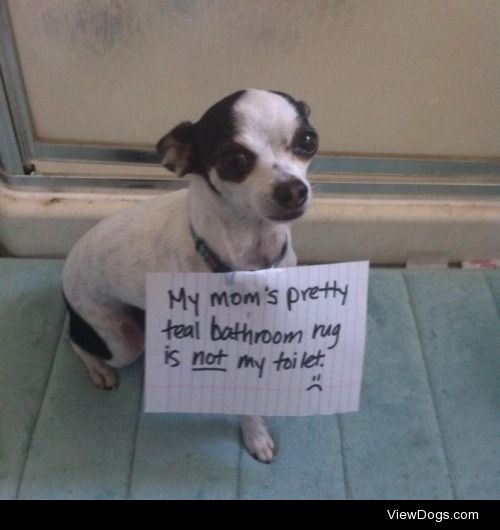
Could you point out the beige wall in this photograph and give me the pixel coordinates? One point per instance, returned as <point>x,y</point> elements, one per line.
<point>382,76</point>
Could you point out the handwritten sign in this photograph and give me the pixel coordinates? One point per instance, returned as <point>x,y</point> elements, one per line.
<point>277,342</point>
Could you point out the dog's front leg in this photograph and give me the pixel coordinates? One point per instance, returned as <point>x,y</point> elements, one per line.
<point>257,439</point>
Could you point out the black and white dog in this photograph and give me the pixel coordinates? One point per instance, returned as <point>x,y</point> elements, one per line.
<point>247,156</point>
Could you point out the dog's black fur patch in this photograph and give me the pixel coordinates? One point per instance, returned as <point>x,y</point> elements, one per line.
<point>214,129</point>
<point>84,335</point>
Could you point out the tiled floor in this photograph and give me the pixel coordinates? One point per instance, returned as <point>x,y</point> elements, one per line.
<point>428,427</point>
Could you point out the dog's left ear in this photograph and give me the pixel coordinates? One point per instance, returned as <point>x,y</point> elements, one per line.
<point>303,108</point>
<point>176,149</point>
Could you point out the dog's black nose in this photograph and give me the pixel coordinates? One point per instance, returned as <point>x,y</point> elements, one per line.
<point>291,194</point>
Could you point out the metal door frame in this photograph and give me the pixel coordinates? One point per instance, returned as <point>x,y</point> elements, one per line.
<point>19,147</point>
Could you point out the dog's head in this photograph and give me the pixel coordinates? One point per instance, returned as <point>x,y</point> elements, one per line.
<point>253,148</point>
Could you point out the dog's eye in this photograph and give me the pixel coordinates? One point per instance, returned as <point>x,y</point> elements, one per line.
<point>305,143</point>
<point>235,164</point>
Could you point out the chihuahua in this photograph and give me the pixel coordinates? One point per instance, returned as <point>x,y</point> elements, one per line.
<point>247,158</point>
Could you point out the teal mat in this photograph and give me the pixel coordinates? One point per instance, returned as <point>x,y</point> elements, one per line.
<point>428,427</point>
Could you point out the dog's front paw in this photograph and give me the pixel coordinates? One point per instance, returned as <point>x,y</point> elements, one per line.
<point>257,439</point>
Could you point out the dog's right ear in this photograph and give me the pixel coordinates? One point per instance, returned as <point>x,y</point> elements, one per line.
<point>176,149</point>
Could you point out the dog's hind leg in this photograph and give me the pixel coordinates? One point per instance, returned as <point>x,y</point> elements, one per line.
<point>107,337</point>
<point>102,376</point>
<point>122,329</point>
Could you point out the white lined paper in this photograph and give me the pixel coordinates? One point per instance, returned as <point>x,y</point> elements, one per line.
<point>276,309</point>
